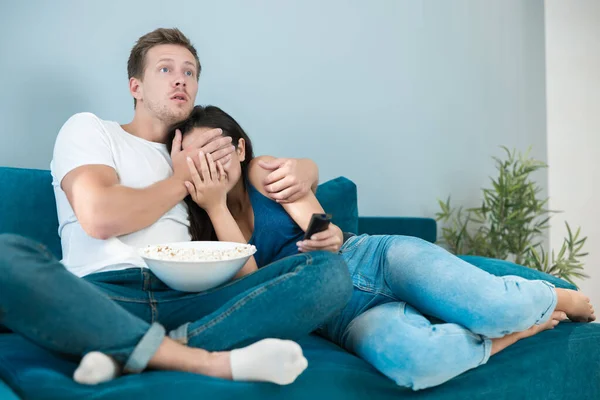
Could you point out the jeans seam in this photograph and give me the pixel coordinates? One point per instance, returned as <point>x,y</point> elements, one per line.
<point>553,302</point>
<point>127,300</point>
<point>487,349</point>
<point>153,307</point>
<point>252,295</point>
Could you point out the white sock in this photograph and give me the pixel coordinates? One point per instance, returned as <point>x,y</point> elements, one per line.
<point>269,360</point>
<point>96,368</point>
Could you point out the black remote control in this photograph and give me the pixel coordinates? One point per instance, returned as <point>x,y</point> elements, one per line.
<point>318,223</point>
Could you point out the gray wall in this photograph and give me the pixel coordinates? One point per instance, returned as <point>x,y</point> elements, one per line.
<point>407,98</point>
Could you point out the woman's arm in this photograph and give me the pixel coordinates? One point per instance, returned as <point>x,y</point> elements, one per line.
<point>228,230</point>
<point>208,189</point>
<point>300,210</point>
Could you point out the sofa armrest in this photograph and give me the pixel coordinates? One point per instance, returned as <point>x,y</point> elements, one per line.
<point>424,228</point>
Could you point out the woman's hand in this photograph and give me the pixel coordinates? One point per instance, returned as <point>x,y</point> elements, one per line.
<point>209,185</point>
<point>329,240</point>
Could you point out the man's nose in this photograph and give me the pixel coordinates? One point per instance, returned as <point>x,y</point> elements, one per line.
<point>180,82</point>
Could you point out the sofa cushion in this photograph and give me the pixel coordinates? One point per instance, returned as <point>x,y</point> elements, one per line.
<point>560,364</point>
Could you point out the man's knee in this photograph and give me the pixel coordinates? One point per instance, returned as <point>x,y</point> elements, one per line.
<point>8,245</point>
<point>16,251</point>
<point>10,240</point>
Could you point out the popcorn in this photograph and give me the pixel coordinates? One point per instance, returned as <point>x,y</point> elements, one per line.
<point>168,253</point>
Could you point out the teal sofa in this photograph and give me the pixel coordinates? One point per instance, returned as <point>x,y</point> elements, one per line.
<point>560,364</point>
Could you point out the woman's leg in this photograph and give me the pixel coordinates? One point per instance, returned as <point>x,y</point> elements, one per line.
<point>442,285</point>
<point>403,345</point>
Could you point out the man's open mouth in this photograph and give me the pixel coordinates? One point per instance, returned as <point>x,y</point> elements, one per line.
<point>179,97</point>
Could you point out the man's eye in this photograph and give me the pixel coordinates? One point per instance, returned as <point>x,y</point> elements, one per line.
<point>189,73</point>
<point>164,69</point>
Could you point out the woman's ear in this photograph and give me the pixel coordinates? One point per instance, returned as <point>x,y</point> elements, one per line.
<point>241,149</point>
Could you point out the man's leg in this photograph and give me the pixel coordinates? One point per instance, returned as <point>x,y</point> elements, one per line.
<point>53,308</point>
<point>42,301</point>
<point>286,299</point>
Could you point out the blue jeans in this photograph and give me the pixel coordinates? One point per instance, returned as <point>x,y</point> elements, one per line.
<point>127,313</point>
<point>400,279</point>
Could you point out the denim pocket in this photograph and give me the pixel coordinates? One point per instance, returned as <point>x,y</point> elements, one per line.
<point>352,243</point>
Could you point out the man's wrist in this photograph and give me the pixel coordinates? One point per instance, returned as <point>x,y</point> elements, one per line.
<point>179,186</point>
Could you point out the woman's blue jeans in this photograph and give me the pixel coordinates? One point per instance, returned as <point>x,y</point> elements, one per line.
<point>126,314</point>
<point>399,279</point>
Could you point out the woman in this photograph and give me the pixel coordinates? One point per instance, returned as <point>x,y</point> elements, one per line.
<point>397,279</point>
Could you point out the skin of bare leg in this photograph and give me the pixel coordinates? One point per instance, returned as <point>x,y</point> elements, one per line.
<point>172,355</point>
<point>508,340</point>
<point>576,305</point>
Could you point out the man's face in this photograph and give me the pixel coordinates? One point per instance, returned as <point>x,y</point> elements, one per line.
<point>169,86</point>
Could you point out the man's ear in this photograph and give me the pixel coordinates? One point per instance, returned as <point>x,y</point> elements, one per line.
<point>135,88</point>
<point>241,149</point>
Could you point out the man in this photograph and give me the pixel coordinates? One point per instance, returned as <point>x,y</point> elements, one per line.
<point>118,189</point>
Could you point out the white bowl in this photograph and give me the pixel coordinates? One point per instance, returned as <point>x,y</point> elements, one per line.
<point>197,276</point>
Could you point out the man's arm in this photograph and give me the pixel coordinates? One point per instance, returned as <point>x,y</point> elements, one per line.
<point>105,209</point>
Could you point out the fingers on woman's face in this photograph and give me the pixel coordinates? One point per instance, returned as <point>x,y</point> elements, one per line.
<point>190,136</point>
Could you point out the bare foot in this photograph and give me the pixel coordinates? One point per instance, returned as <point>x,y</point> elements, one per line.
<point>503,342</point>
<point>576,305</point>
<point>557,317</point>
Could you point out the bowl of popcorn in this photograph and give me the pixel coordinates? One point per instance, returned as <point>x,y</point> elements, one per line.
<point>196,266</point>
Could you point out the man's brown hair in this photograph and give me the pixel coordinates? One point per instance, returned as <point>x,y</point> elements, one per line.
<point>137,58</point>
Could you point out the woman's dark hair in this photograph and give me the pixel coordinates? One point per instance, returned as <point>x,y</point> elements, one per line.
<point>210,117</point>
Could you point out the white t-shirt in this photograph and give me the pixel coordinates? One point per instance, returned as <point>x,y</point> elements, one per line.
<point>85,140</point>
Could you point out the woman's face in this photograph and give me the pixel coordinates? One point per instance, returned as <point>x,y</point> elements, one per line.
<point>233,167</point>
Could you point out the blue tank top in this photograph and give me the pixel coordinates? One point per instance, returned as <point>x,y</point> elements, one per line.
<point>275,232</point>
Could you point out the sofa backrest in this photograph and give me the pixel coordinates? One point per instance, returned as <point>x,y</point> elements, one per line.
<point>28,207</point>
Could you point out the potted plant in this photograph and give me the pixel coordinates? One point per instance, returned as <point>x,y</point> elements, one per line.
<point>511,222</point>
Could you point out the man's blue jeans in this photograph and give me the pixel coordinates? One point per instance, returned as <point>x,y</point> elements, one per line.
<point>127,313</point>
